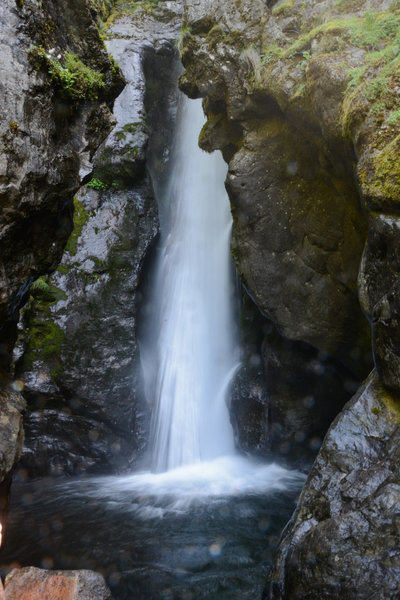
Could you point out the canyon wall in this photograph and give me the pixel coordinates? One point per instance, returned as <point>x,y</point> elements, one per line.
<point>302,99</point>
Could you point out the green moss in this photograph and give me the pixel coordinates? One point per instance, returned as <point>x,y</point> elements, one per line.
<point>14,127</point>
<point>374,28</point>
<point>338,29</point>
<point>373,89</point>
<point>132,151</point>
<point>348,6</point>
<point>356,76</point>
<point>183,38</point>
<point>386,167</point>
<point>43,339</point>
<point>86,81</point>
<point>127,7</point>
<point>285,9</point>
<point>80,218</point>
<point>97,184</point>
<point>370,32</point>
<point>394,118</point>
<point>39,288</point>
<point>271,53</point>
<point>46,337</point>
<point>131,128</point>
<point>63,269</point>
<point>69,76</point>
<point>391,403</point>
<point>42,291</point>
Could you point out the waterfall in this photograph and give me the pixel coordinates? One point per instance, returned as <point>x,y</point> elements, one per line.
<point>193,298</point>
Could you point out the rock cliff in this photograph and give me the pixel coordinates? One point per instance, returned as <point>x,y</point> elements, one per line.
<point>57,87</point>
<point>302,99</point>
<point>79,350</point>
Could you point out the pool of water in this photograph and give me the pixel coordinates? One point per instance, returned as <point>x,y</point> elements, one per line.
<point>208,532</point>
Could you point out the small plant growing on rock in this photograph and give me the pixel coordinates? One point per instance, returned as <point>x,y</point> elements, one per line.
<point>394,118</point>
<point>72,79</point>
<point>97,184</point>
<point>40,288</point>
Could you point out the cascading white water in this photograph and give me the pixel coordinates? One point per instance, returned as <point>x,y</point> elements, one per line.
<point>193,296</point>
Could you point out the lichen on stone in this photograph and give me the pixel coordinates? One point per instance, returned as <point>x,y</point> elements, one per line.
<point>80,218</point>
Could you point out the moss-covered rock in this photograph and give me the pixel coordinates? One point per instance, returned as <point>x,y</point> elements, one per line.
<point>273,95</point>
<point>86,411</point>
<point>299,234</point>
<point>312,88</point>
<point>44,137</point>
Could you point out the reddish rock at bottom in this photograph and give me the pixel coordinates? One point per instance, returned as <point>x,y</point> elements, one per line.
<point>30,583</point>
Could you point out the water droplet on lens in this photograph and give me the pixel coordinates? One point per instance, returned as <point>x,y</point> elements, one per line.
<point>308,402</point>
<point>215,549</point>
<point>47,562</point>
<point>17,385</point>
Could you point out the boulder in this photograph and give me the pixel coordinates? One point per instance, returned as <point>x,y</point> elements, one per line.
<point>30,583</point>
<point>342,541</point>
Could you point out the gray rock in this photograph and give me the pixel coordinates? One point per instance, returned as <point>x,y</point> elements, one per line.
<point>43,140</point>
<point>379,294</point>
<point>286,393</point>
<point>11,432</point>
<point>299,227</point>
<point>81,361</point>
<point>343,539</point>
<point>298,242</point>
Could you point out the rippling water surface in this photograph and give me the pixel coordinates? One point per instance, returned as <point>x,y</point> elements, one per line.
<point>204,531</point>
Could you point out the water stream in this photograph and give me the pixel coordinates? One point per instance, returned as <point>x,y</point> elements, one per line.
<point>203,523</point>
<point>191,352</point>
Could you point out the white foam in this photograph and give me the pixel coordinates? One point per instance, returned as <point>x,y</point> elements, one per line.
<point>151,495</point>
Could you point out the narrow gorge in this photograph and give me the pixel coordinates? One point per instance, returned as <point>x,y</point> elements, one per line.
<point>199,356</point>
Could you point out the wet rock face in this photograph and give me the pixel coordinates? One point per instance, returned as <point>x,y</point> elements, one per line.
<point>45,138</point>
<point>343,538</point>
<point>80,358</point>
<point>298,240</point>
<point>43,141</point>
<point>11,432</point>
<point>379,294</point>
<point>285,394</point>
<point>299,227</point>
<point>30,583</point>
